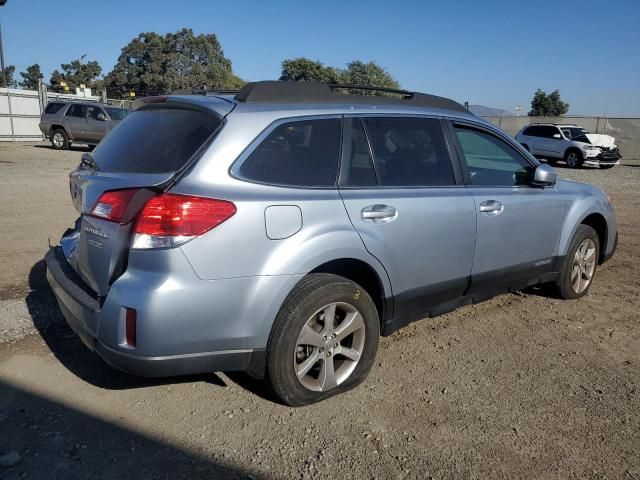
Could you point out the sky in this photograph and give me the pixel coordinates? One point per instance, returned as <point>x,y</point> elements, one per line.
<point>489,52</point>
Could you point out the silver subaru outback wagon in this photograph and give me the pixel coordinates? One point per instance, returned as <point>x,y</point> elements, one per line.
<point>282,230</point>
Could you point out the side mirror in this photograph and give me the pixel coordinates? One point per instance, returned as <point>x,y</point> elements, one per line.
<point>101,117</point>
<point>557,135</point>
<point>544,176</point>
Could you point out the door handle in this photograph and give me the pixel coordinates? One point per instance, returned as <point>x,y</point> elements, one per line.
<point>379,213</point>
<point>492,207</point>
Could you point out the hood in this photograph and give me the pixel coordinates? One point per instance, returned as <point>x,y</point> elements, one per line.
<point>600,140</point>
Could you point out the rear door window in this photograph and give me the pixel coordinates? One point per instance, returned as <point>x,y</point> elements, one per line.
<point>78,111</point>
<point>53,108</point>
<point>302,153</point>
<point>155,140</point>
<point>358,169</point>
<point>409,151</point>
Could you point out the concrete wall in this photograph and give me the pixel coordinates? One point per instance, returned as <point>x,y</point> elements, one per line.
<point>626,131</point>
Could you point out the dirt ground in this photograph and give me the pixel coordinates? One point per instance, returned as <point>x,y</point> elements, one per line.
<point>522,386</point>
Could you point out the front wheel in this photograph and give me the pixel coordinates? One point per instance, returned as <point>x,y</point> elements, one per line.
<point>324,340</point>
<point>580,264</point>
<point>573,158</point>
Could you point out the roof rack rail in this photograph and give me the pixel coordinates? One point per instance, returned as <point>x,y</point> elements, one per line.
<point>275,91</point>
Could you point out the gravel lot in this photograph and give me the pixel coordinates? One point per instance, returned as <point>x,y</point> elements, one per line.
<point>522,386</point>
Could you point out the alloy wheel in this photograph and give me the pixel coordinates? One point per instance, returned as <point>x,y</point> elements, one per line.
<point>583,266</point>
<point>329,346</point>
<point>58,140</point>
<point>572,160</point>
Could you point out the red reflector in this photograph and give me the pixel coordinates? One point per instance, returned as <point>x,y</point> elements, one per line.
<point>112,204</point>
<point>171,215</point>
<point>130,327</point>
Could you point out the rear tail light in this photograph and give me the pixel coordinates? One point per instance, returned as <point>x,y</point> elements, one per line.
<point>168,220</point>
<point>112,204</point>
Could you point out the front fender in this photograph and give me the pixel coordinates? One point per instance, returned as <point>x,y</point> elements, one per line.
<point>579,207</point>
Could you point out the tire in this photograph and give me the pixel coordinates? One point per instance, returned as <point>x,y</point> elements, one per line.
<point>301,320</point>
<point>566,285</point>
<point>59,139</point>
<point>607,167</point>
<point>573,158</point>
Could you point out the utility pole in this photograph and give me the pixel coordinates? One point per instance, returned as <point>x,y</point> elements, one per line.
<point>4,77</point>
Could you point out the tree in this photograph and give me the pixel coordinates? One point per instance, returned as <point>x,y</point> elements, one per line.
<point>304,70</point>
<point>152,64</point>
<point>76,73</point>
<point>30,77</point>
<point>357,73</point>
<point>551,105</point>
<point>6,77</point>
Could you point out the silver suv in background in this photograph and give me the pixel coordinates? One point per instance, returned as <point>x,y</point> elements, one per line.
<point>83,122</point>
<point>571,143</point>
<point>280,231</point>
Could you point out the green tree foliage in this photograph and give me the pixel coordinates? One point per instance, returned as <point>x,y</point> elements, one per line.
<point>152,64</point>
<point>371,74</point>
<point>7,79</point>
<point>304,70</point>
<point>357,73</point>
<point>550,105</point>
<point>30,77</point>
<point>76,73</point>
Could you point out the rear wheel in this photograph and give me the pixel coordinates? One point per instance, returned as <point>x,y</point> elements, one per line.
<point>324,340</point>
<point>573,158</point>
<point>59,139</point>
<point>580,264</point>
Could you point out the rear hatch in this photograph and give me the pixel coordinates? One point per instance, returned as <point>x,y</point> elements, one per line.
<point>144,155</point>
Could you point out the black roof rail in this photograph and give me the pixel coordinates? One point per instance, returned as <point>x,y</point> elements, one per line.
<point>275,91</point>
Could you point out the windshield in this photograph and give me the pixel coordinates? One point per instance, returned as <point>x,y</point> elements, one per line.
<point>576,133</point>
<point>117,113</point>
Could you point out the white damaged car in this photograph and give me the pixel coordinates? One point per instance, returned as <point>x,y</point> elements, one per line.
<point>571,143</point>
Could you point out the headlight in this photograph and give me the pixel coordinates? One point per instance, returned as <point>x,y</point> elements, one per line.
<point>591,147</point>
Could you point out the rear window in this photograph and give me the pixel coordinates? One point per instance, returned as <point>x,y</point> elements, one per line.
<point>299,153</point>
<point>53,108</point>
<point>154,140</point>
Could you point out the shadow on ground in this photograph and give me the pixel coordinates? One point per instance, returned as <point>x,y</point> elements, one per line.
<point>54,441</point>
<point>77,358</point>
<point>73,148</point>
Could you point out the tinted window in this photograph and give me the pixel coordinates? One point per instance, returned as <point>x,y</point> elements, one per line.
<point>154,140</point>
<point>409,151</point>
<point>93,112</point>
<point>491,161</point>
<point>117,113</point>
<point>77,111</point>
<point>53,108</point>
<point>549,132</point>
<point>358,169</point>
<point>576,133</point>
<point>302,153</point>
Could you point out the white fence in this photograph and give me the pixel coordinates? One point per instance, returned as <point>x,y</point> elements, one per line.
<point>20,112</point>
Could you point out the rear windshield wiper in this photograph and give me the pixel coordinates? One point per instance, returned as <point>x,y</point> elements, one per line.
<point>88,162</point>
